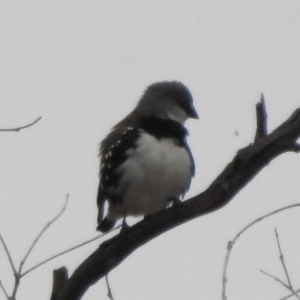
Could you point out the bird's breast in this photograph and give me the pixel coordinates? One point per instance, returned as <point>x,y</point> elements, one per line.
<point>154,172</point>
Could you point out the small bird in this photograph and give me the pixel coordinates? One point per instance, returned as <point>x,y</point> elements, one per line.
<point>146,163</point>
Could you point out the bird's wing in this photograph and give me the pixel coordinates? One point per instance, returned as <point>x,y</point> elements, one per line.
<point>100,203</point>
<point>112,158</point>
<point>188,150</point>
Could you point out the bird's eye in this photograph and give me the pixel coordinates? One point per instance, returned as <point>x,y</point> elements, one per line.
<point>184,103</point>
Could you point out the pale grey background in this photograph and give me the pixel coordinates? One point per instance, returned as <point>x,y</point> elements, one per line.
<point>82,66</point>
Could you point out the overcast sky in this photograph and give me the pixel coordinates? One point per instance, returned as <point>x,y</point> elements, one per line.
<point>82,66</point>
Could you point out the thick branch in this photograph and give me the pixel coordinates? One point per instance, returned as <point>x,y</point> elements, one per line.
<point>243,168</point>
<point>60,276</point>
<point>261,119</point>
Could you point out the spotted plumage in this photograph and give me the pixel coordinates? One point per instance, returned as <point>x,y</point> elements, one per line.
<point>145,160</point>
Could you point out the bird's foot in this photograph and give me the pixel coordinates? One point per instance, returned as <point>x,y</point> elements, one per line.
<point>124,227</point>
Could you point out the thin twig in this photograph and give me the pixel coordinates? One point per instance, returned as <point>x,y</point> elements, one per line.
<point>22,127</point>
<point>261,119</point>
<point>68,250</point>
<point>231,243</point>
<point>44,229</point>
<point>8,255</point>
<point>16,286</point>
<point>109,293</point>
<point>281,282</point>
<point>282,260</point>
<point>19,274</point>
<point>4,291</point>
<point>291,295</point>
<point>276,279</point>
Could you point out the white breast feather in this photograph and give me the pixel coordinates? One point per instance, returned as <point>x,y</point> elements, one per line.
<point>155,171</point>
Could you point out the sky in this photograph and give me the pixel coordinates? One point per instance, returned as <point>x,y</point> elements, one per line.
<point>82,66</point>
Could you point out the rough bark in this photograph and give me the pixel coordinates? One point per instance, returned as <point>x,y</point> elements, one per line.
<point>243,168</point>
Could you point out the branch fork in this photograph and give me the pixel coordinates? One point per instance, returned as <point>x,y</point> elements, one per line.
<point>245,165</point>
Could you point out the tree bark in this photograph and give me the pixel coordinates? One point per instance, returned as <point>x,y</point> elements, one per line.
<point>243,168</point>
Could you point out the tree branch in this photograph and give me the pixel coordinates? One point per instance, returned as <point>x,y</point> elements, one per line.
<point>8,255</point>
<point>68,250</point>
<point>18,274</point>
<point>240,233</point>
<point>22,127</point>
<point>60,276</point>
<point>245,165</point>
<point>41,234</point>
<point>282,283</point>
<point>283,263</point>
<point>4,290</point>
<point>290,295</point>
<point>261,119</point>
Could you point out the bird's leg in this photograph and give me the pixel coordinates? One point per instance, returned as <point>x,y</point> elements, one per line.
<point>125,226</point>
<point>124,223</point>
<point>176,202</point>
<point>122,233</point>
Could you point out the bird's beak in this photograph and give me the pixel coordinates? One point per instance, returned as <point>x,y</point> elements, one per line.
<point>192,112</point>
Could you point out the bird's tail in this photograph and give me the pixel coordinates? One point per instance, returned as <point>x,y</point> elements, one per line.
<point>106,225</point>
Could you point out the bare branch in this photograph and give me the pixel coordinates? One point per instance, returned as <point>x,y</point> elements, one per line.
<point>41,233</point>
<point>19,275</point>
<point>276,279</point>
<point>282,283</point>
<point>4,290</point>
<point>8,255</point>
<point>16,286</point>
<point>60,276</point>
<point>282,261</point>
<point>109,293</point>
<point>68,250</point>
<point>231,243</point>
<point>291,295</point>
<point>245,165</point>
<point>261,119</point>
<point>22,127</point>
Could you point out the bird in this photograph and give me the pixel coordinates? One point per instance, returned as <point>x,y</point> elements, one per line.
<point>145,162</point>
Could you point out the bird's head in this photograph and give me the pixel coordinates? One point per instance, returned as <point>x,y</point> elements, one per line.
<point>167,100</point>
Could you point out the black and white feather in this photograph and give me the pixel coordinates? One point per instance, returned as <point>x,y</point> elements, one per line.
<point>145,160</point>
